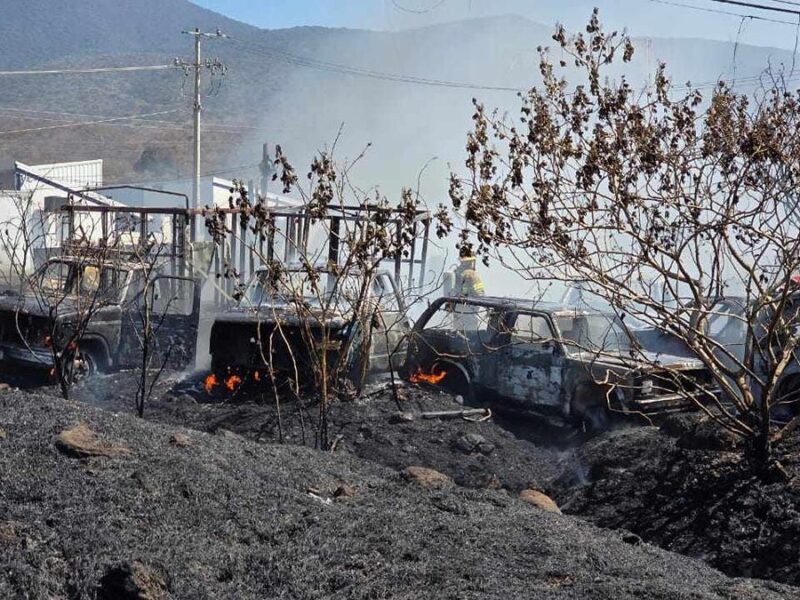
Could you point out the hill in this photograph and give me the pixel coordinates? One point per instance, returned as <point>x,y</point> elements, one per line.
<point>296,87</point>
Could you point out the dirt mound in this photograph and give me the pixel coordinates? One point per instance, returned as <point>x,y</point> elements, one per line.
<point>230,518</point>
<point>688,492</point>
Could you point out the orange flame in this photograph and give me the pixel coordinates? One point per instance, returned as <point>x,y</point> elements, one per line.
<point>211,382</point>
<point>433,378</point>
<point>233,382</point>
<point>257,376</point>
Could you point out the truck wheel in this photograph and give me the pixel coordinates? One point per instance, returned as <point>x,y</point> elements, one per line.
<point>456,383</point>
<point>588,408</point>
<point>87,365</point>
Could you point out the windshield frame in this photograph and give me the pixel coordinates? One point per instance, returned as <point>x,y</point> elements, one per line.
<point>615,323</point>
<point>68,288</point>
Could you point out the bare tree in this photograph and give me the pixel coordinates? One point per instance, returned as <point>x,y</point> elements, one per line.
<point>665,205</point>
<point>323,301</point>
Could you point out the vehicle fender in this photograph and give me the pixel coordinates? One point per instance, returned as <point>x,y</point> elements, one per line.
<point>99,343</point>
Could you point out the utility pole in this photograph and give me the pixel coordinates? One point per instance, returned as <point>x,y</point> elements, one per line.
<point>198,65</point>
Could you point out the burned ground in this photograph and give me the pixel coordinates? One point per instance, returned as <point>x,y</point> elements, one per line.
<point>679,487</point>
<point>188,514</point>
<point>685,488</point>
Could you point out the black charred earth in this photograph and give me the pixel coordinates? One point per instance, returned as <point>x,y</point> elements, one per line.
<point>200,500</point>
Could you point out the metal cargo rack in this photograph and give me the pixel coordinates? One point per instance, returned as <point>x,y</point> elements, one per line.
<point>289,239</point>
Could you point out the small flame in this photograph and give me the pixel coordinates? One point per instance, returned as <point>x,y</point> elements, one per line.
<point>433,378</point>
<point>257,376</point>
<point>211,382</point>
<point>233,382</point>
<point>53,372</point>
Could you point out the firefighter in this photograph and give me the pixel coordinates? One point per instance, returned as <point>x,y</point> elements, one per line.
<point>468,282</point>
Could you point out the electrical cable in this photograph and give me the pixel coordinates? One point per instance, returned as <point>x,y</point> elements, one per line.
<point>423,11</point>
<point>302,61</point>
<point>84,123</point>
<point>721,12</point>
<point>757,6</point>
<point>87,71</point>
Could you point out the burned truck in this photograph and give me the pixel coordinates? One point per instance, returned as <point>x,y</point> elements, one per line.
<point>281,325</point>
<point>547,359</point>
<point>109,296</point>
<point>310,312</point>
<point>88,299</point>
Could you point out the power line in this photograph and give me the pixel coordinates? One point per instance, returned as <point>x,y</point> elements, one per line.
<point>787,11</point>
<point>169,125</point>
<point>414,11</point>
<point>87,71</point>
<point>84,123</point>
<point>789,2</point>
<point>361,72</point>
<point>723,12</point>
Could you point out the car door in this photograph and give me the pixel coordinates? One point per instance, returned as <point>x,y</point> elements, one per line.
<point>528,366</point>
<point>175,315</point>
<point>390,326</point>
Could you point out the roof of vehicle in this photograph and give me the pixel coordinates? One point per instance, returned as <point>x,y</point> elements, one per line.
<point>300,268</point>
<point>510,303</point>
<point>109,262</point>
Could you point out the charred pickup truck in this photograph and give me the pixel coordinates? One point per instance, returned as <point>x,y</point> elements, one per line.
<point>56,298</point>
<point>277,328</point>
<point>549,359</point>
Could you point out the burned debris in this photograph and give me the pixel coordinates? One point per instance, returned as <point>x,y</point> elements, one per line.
<point>91,305</point>
<point>548,359</point>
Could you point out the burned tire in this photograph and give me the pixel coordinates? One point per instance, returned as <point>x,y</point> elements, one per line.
<point>456,382</point>
<point>589,410</point>
<point>87,365</point>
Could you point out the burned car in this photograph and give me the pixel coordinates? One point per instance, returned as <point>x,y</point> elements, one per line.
<point>281,326</point>
<point>545,358</point>
<point>97,303</point>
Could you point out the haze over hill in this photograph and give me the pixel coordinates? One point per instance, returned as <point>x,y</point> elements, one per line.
<point>284,86</point>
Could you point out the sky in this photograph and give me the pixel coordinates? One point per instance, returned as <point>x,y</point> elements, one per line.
<point>643,18</point>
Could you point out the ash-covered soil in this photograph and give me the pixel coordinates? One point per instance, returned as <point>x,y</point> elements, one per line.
<point>686,488</point>
<point>150,510</point>
<point>393,433</point>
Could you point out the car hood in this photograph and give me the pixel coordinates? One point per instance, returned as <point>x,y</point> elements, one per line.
<point>644,359</point>
<point>272,314</point>
<point>28,304</point>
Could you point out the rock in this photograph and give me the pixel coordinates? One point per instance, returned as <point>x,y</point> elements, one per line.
<point>344,491</point>
<point>537,498</point>
<point>425,477</point>
<point>8,533</point>
<point>180,440</point>
<point>185,399</point>
<point>632,539</point>
<point>3,434</point>
<point>474,443</point>
<point>227,433</point>
<point>81,442</point>
<point>402,417</point>
<point>492,482</point>
<point>4,387</point>
<point>707,434</point>
<point>133,581</point>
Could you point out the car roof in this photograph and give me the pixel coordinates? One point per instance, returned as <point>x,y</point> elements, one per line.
<point>297,267</point>
<point>121,264</point>
<point>527,304</point>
